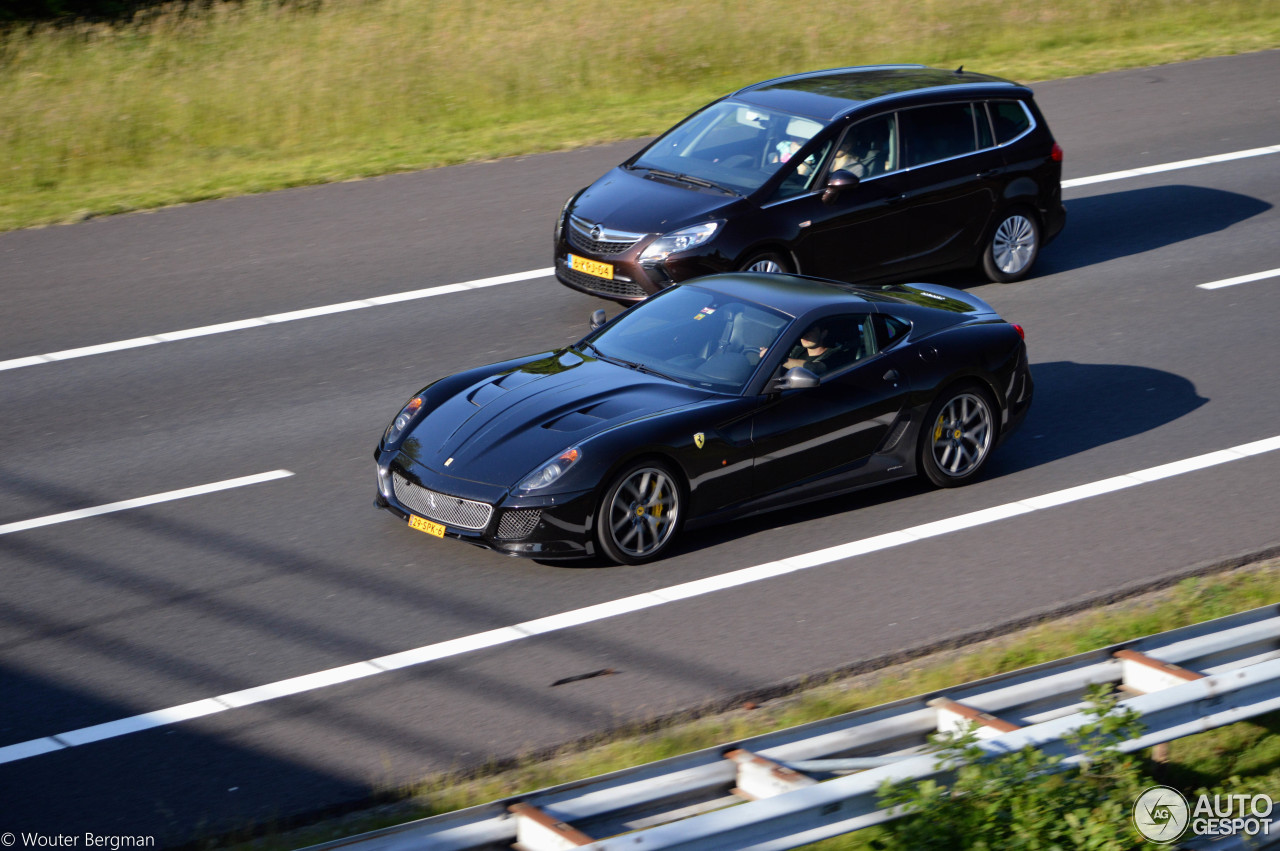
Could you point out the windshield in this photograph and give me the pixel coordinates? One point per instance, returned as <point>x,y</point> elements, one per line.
<point>695,336</point>
<point>730,145</point>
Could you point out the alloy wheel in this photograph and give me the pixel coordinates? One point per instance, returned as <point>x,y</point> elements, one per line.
<point>643,512</point>
<point>1014,245</point>
<point>962,435</point>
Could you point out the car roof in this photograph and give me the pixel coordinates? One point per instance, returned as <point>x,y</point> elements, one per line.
<point>833,92</point>
<point>795,295</point>
<point>800,295</point>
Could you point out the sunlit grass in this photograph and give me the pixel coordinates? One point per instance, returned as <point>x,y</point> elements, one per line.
<point>252,96</point>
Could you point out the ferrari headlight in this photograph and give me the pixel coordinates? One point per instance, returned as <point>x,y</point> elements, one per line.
<point>404,419</point>
<point>551,471</point>
<point>679,240</point>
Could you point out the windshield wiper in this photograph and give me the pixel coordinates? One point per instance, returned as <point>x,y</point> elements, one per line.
<point>687,178</point>
<point>592,347</point>
<point>639,367</point>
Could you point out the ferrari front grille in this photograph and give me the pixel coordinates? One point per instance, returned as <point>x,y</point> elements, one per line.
<point>442,508</point>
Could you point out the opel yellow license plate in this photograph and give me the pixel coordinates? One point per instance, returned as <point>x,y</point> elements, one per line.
<point>422,524</point>
<point>591,267</point>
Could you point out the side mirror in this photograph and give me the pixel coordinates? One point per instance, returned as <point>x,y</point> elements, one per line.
<point>838,180</point>
<point>598,318</point>
<point>796,378</point>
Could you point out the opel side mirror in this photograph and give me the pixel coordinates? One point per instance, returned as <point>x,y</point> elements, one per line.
<point>598,318</point>
<point>840,179</point>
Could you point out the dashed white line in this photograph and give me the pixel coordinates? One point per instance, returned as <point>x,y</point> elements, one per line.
<point>1174,166</point>
<point>614,608</point>
<point>291,316</point>
<point>1243,279</point>
<point>140,502</point>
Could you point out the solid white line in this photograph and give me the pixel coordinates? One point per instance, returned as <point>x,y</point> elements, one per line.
<point>446,289</point>
<point>274,319</point>
<point>1156,169</point>
<point>1243,279</point>
<point>614,608</point>
<point>139,502</point>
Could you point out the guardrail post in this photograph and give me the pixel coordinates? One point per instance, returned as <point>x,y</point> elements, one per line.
<point>954,716</point>
<point>759,777</point>
<point>537,831</point>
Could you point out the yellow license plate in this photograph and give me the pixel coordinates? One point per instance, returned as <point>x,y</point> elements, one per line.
<point>591,267</point>
<point>422,524</point>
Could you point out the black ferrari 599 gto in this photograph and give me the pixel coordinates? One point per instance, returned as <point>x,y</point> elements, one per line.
<point>715,399</point>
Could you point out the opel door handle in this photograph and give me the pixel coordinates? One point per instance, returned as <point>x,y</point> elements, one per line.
<point>892,376</point>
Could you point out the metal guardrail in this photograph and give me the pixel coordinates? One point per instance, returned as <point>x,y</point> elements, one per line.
<point>786,789</point>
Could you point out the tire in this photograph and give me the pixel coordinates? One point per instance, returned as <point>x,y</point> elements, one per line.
<point>1013,246</point>
<point>769,261</point>
<point>640,514</point>
<point>957,436</point>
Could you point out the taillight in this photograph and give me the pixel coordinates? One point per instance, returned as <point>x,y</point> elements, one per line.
<point>1056,153</point>
<point>1021,333</point>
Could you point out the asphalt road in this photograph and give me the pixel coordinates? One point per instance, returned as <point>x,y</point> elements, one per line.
<point>108,617</point>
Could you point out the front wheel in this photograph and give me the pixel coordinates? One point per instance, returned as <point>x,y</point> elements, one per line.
<point>770,262</point>
<point>957,437</point>
<point>640,513</point>
<point>1012,248</point>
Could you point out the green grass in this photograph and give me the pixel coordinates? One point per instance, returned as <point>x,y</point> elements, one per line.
<point>183,105</point>
<point>1241,758</point>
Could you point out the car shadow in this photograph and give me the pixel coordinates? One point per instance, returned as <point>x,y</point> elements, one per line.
<point>1077,407</point>
<point>1115,225</point>
<point>1122,224</point>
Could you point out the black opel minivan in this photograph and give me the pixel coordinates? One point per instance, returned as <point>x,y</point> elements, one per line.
<point>858,174</point>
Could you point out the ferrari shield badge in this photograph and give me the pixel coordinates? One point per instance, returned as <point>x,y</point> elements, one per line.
<point>699,439</point>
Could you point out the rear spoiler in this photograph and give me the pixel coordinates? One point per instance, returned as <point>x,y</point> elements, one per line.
<point>936,295</point>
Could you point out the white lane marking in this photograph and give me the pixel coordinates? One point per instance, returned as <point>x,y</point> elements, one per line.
<point>274,319</point>
<point>139,502</point>
<point>604,611</point>
<point>1156,169</point>
<point>1243,279</point>
<point>379,301</point>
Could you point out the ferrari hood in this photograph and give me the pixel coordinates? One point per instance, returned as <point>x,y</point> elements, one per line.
<point>498,430</point>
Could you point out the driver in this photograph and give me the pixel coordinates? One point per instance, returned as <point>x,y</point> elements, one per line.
<point>814,351</point>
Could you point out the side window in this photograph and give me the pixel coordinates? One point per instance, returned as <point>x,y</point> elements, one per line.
<point>982,121</point>
<point>799,174</point>
<point>889,330</point>
<point>832,344</point>
<point>1010,120</point>
<point>932,133</point>
<point>868,148</point>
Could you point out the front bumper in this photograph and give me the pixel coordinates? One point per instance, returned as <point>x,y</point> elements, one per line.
<point>551,526</point>
<point>631,281</point>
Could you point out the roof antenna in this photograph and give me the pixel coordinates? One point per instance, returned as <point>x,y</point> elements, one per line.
<point>960,70</point>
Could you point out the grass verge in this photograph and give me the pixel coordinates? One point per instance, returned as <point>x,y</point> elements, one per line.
<point>1245,756</point>
<point>199,101</point>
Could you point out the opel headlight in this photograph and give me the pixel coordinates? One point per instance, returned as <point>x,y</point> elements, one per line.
<point>551,471</point>
<point>679,240</point>
<point>564,212</point>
